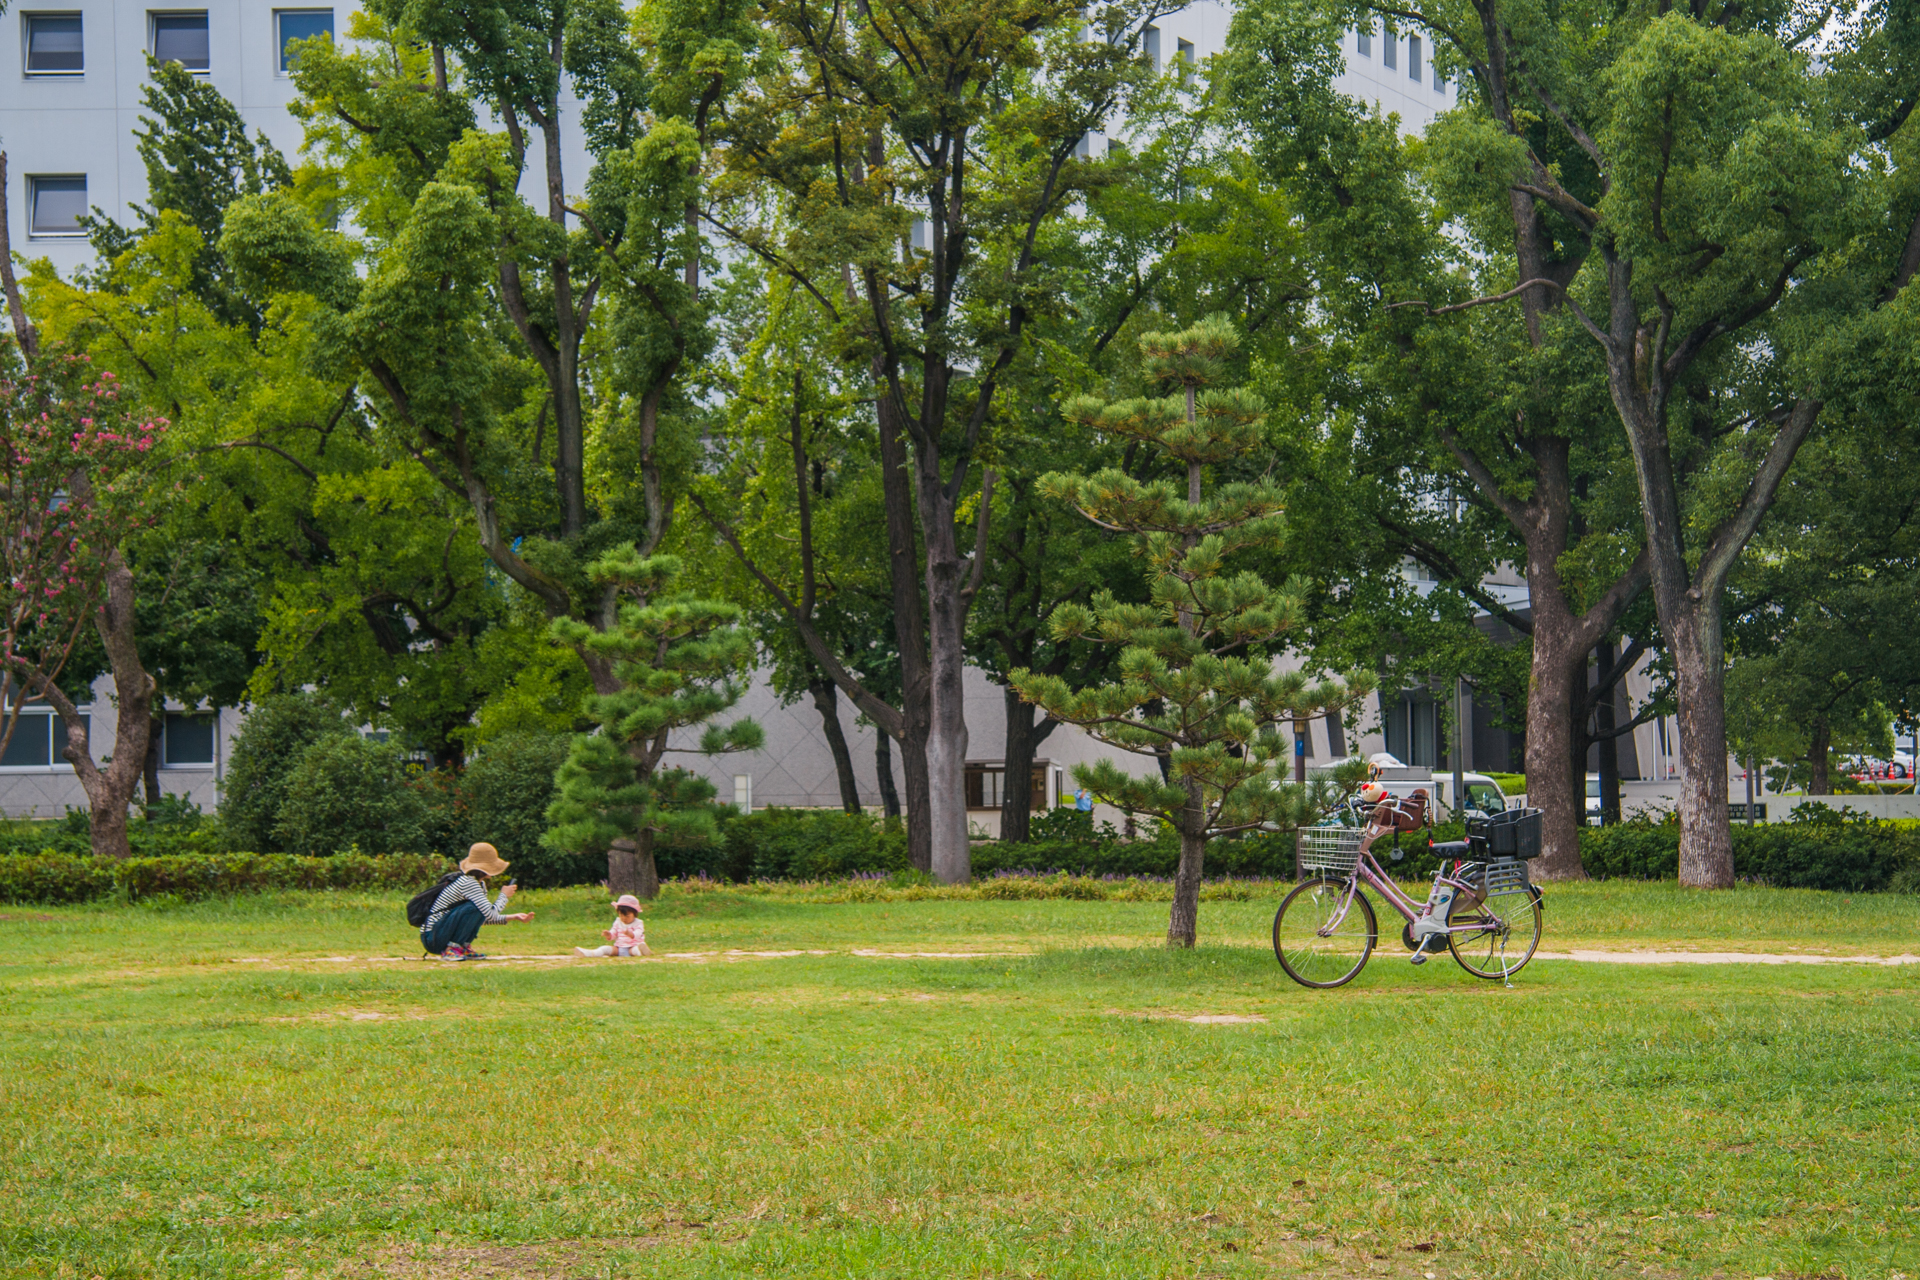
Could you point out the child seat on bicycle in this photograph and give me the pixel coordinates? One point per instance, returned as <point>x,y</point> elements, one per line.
<point>1405,816</point>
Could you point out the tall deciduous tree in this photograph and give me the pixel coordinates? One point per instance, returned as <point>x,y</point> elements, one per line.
<point>965,123</point>
<point>1500,414</point>
<point>1725,218</point>
<point>1198,684</point>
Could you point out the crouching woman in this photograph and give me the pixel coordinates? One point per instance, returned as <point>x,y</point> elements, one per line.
<point>462,907</point>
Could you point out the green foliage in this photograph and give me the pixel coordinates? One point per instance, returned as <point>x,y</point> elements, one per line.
<point>199,160</point>
<point>809,844</point>
<point>506,790</point>
<point>345,791</point>
<point>677,659</point>
<point>277,732</point>
<point>1197,680</point>
<point>59,877</point>
<point>175,825</point>
<point>1823,852</point>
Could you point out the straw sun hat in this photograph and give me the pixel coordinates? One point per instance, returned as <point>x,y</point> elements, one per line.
<point>485,859</point>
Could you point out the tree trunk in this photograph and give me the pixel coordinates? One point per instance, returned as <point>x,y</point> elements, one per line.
<point>1183,922</point>
<point>150,773</point>
<point>1706,843</point>
<point>883,766</point>
<point>1016,796</point>
<point>623,868</point>
<point>1819,744</point>
<point>826,697</point>
<point>909,628</point>
<point>631,868</point>
<point>1556,692</point>
<point>1605,740</point>
<point>946,644</point>
<point>111,790</point>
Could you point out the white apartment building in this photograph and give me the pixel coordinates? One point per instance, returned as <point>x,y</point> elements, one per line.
<point>71,72</point>
<point>71,75</point>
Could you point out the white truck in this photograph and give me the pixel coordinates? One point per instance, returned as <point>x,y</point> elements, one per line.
<point>1484,796</point>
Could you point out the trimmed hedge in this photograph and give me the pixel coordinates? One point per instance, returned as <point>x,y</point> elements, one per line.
<point>1821,851</point>
<point>57,877</point>
<point>804,844</point>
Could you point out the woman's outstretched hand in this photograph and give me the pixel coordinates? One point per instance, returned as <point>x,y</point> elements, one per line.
<point>524,915</point>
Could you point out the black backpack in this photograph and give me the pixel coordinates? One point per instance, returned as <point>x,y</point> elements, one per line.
<point>420,905</point>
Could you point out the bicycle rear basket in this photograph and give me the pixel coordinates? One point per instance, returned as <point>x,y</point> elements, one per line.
<point>1328,849</point>
<point>1513,834</point>
<point>1505,875</point>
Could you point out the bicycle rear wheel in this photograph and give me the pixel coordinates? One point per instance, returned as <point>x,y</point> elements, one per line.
<point>1315,951</point>
<point>1505,934</point>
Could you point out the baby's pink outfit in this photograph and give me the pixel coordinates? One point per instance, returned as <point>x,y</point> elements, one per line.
<point>627,940</point>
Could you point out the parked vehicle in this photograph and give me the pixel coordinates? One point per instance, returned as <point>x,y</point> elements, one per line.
<point>1593,800</point>
<point>1484,796</point>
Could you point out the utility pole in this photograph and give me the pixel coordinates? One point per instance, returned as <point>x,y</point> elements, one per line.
<point>1459,748</point>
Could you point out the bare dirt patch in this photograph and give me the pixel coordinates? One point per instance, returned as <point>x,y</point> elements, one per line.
<point>1198,1019</point>
<point>545,1260</point>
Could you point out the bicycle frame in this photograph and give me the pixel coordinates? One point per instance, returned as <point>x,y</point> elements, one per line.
<point>1370,871</point>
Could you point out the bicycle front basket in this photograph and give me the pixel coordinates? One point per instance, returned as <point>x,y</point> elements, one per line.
<point>1335,850</point>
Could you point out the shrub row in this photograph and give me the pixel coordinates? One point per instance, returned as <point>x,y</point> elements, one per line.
<point>1070,858</point>
<point>1823,850</point>
<point>58,877</point>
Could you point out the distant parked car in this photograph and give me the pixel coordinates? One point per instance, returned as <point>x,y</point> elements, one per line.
<point>1593,800</point>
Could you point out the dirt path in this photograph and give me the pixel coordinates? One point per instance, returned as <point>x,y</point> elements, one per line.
<point>1717,957</point>
<point>868,953</point>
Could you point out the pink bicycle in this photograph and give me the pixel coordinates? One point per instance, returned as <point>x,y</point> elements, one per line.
<point>1482,904</point>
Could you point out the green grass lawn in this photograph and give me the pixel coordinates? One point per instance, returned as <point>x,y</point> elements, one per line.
<point>1045,1111</point>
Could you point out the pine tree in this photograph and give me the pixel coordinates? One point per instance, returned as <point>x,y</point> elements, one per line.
<point>1197,688</point>
<point>676,659</point>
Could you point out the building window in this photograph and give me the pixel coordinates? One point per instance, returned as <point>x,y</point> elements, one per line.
<point>187,740</point>
<point>986,787</point>
<point>1389,50</point>
<point>181,38</point>
<point>39,740</point>
<point>1439,81</point>
<point>57,204</point>
<point>299,24</point>
<point>1413,59</point>
<point>53,44</point>
<point>1152,43</point>
<point>1363,42</point>
<point>743,792</point>
<point>1184,51</point>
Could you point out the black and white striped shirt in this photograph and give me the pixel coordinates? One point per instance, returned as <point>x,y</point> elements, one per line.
<point>464,889</point>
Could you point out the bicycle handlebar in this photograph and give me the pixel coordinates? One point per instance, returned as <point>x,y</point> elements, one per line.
<point>1452,848</point>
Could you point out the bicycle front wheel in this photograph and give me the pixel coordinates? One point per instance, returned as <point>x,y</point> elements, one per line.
<point>1504,934</point>
<point>1315,944</point>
